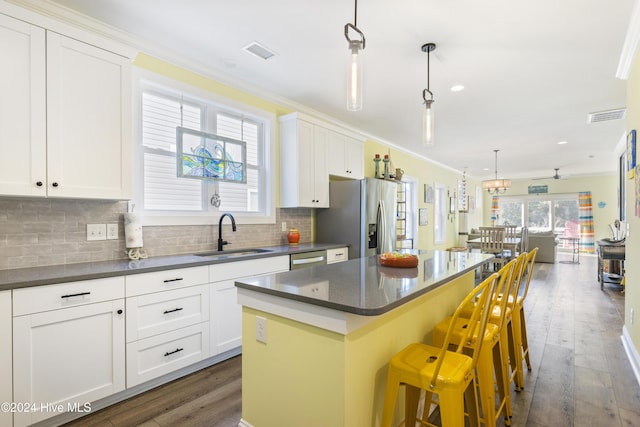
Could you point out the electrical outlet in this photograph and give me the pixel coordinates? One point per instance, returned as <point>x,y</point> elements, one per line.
<point>112,231</point>
<point>96,232</point>
<point>261,329</point>
<point>284,226</point>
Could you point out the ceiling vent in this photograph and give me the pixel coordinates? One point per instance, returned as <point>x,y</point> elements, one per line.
<point>259,50</point>
<point>603,116</point>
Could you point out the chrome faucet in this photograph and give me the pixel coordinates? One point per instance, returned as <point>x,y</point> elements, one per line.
<point>221,242</point>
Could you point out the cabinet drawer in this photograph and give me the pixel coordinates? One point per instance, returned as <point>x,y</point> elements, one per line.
<point>52,297</point>
<point>147,283</point>
<point>337,255</point>
<point>156,356</point>
<point>154,314</point>
<point>238,269</point>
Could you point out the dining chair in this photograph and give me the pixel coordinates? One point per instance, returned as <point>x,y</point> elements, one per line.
<point>510,231</point>
<point>492,242</point>
<point>523,246</point>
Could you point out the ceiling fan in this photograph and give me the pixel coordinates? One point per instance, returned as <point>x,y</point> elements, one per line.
<point>556,175</point>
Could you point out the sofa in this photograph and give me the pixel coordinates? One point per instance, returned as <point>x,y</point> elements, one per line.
<point>547,246</point>
<point>545,242</point>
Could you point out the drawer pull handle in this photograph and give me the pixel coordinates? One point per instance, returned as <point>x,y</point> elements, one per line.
<point>76,295</point>
<point>177,279</point>
<point>169,353</point>
<point>173,311</point>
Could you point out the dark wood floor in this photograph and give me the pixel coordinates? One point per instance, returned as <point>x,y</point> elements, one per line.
<point>580,376</point>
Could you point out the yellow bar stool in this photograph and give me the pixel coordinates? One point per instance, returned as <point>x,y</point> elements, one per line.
<point>519,308</point>
<point>514,328</point>
<point>493,357</point>
<point>449,374</point>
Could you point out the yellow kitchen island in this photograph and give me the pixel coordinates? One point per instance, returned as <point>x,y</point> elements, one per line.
<point>316,342</point>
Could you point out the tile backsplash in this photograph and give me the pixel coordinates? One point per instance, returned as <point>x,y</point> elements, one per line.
<point>43,232</point>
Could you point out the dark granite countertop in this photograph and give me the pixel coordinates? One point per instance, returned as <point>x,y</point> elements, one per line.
<point>362,286</point>
<point>37,276</point>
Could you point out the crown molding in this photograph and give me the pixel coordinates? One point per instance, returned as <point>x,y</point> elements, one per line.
<point>631,42</point>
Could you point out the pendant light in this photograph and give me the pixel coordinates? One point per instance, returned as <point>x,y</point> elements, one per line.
<point>496,186</point>
<point>427,95</point>
<point>354,75</point>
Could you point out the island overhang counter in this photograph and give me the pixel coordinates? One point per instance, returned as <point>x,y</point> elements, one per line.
<point>316,342</point>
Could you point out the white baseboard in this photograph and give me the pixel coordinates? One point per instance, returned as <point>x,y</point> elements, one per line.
<point>243,423</point>
<point>632,353</point>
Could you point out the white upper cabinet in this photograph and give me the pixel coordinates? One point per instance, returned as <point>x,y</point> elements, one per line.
<point>88,121</point>
<point>22,108</point>
<point>310,151</point>
<point>346,156</point>
<point>65,114</point>
<point>304,178</point>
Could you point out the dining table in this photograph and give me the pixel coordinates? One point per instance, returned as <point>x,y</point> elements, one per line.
<point>510,243</point>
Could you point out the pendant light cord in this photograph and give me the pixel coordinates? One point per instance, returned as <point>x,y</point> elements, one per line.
<point>355,15</point>
<point>428,68</point>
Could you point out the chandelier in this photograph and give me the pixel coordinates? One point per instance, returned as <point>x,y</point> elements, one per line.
<point>496,186</point>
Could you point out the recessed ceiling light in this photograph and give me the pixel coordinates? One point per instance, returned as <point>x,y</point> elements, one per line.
<point>563,142</point>
<point>457,88</point>
<point>229,63</point>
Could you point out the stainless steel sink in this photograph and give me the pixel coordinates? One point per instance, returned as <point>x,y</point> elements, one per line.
<point>232,254</point>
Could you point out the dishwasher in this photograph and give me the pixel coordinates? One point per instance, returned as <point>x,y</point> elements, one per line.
<point>308,259</point>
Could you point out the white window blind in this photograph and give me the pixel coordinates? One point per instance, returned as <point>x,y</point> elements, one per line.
<point>241,197</point>
<point>163,191</point>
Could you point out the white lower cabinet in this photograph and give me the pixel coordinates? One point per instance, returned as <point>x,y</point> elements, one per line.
<point>337,255</point>
<point>64,358</point>
<point>226,313</point>
<point>167,322</point>
<point>158,355</point>
<point>154,314</point>
<point>6,393</point>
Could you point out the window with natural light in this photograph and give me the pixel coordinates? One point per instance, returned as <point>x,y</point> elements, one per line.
<point>172,199</point>
<point>556,213</point>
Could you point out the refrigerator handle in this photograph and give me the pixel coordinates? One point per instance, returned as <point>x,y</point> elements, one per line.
<point>382,224</point>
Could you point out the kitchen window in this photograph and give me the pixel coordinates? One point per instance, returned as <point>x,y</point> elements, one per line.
<point>166,199</point>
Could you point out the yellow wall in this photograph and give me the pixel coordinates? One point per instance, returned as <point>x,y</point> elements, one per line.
<point>632,269</point>
<point>603,189</point>
<point>427,173</point>
<point>307,376</point>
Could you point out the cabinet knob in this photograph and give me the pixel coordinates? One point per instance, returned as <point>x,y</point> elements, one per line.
<point>39,183</point>
<point>55,184</point>
<point>119,311</point>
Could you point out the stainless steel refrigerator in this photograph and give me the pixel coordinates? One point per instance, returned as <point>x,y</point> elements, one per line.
<point>361,213</point>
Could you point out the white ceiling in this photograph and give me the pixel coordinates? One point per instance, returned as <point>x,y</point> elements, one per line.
<point>532,70</point>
